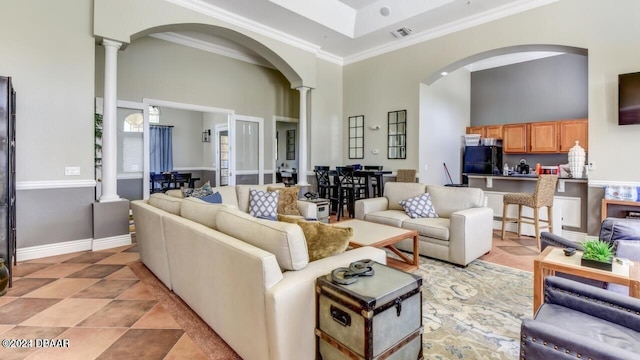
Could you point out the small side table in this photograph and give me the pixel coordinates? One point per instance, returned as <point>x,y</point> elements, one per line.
<point>552,259</point>
<point>323,208</point>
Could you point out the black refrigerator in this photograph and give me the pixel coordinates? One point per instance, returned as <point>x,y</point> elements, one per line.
<point>7,173</point>
<point>482,160</point>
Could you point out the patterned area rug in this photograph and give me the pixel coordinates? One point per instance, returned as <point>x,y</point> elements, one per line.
<point>473,312</point>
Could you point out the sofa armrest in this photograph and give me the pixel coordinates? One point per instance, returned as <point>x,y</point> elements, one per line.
<point>291,304</point>
<point>308,209</point>
<point>606,305</point>
<point>543,341</point>
<point>550,239</point>
<point>365,206</point>
<point>470,234</point>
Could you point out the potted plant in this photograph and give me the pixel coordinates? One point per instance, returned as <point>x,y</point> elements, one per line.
<point>597,254</point>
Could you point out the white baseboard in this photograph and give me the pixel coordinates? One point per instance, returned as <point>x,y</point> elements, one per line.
<point>67,247</point>
<point>40,251</point>
<point>111,242</point>
<point>567,234</point>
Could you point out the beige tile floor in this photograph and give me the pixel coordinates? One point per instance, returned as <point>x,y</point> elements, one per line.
<point>93,300</point>
<point>96,302</point>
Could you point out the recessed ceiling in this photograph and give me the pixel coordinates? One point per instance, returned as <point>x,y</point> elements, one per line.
<point>346,31</point>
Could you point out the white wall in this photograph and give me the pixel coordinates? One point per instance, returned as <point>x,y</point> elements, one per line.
<point>444,115</point>
<point>51,60</point>
<point>327,120</point>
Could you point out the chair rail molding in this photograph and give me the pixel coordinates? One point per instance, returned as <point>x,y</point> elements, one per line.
<point>54,184</point>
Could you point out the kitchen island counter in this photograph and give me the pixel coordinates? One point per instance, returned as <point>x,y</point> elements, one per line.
<point>570,197</point>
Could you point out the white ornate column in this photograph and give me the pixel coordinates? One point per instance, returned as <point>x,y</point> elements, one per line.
<point>302,148</point>
<point>109,122</point>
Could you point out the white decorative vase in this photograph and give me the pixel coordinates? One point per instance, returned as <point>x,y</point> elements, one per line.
<point>577,157</point>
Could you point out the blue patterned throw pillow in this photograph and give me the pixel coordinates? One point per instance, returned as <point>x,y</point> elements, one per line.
<point>419,207</point>
<point>263,204</point>
<point>214,198</point>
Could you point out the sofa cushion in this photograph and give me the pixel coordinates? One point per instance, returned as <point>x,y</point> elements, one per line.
<point>165,202</point>
<point>436,228</point>
<point>387,217</point>
<point>419,207</point>
<point>242,194</point>
<point>322,240</point>
<point>448,200</point>
<point>396,192</point>
<point>263,204</point>
<point>590,327</point>
<point>201,211</point>
<point>613,229</point>
<point>285,241</point>
<point>287,199</point>
<point>228,194</point>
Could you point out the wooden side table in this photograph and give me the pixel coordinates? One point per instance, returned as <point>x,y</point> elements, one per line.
<point>552,259</point>
<point>623,203</point>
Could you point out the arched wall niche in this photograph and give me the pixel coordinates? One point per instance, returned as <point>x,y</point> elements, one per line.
<point>125,21</point>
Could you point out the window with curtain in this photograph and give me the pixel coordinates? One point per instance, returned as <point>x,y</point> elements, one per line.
<point>161,148</point>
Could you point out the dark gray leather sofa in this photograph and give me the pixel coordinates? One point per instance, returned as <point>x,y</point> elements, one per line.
<point>581,321</point>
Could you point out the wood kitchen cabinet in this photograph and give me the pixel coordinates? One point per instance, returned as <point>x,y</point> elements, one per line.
<point>493,131</point>
<point>479,130</point>
<point>514,138</point>
<point>572,131</point>
<point>543,137</point>
<point>490,131</point>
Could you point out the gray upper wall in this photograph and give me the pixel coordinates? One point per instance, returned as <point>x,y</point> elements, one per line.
<point>552,88</point>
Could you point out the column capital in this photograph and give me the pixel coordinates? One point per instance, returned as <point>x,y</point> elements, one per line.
<point>303,89</point>
<point>111,43</point>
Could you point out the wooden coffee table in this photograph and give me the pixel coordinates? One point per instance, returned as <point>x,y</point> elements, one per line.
<point>367,233</point>
<point>552,259</point>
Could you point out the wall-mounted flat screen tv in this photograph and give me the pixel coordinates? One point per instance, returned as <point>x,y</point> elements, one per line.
<point>629,99</point>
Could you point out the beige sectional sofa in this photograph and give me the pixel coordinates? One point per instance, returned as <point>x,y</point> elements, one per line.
<point>249,279</point>
<point>462,232</point>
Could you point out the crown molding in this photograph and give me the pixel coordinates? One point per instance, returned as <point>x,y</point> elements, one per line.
<point>329,57</point>
<point>462,24</point>
<point>211,48</point>
<point>240,21</point>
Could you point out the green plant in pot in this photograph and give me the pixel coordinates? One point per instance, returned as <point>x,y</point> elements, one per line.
<point>597,254</point>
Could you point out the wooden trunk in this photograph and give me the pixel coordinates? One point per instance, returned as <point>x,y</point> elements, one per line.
<point>377,317</point>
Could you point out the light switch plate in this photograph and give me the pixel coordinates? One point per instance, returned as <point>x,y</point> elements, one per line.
<point>72,171</point>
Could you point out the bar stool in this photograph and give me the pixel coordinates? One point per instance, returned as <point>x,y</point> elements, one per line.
<point>542,196</point>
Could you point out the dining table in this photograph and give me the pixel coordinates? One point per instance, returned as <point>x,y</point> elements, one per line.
<point>367,175</point>
<point>171,180</point>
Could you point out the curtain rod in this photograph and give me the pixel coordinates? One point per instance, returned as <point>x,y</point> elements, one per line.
<point>166,126</point>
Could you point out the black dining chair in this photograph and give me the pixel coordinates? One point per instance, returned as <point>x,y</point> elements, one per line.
<point>181,179</point>
<point>349,190</point>
<point>159,182</point>
<point>326,188</point>
<point>375,180</point>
